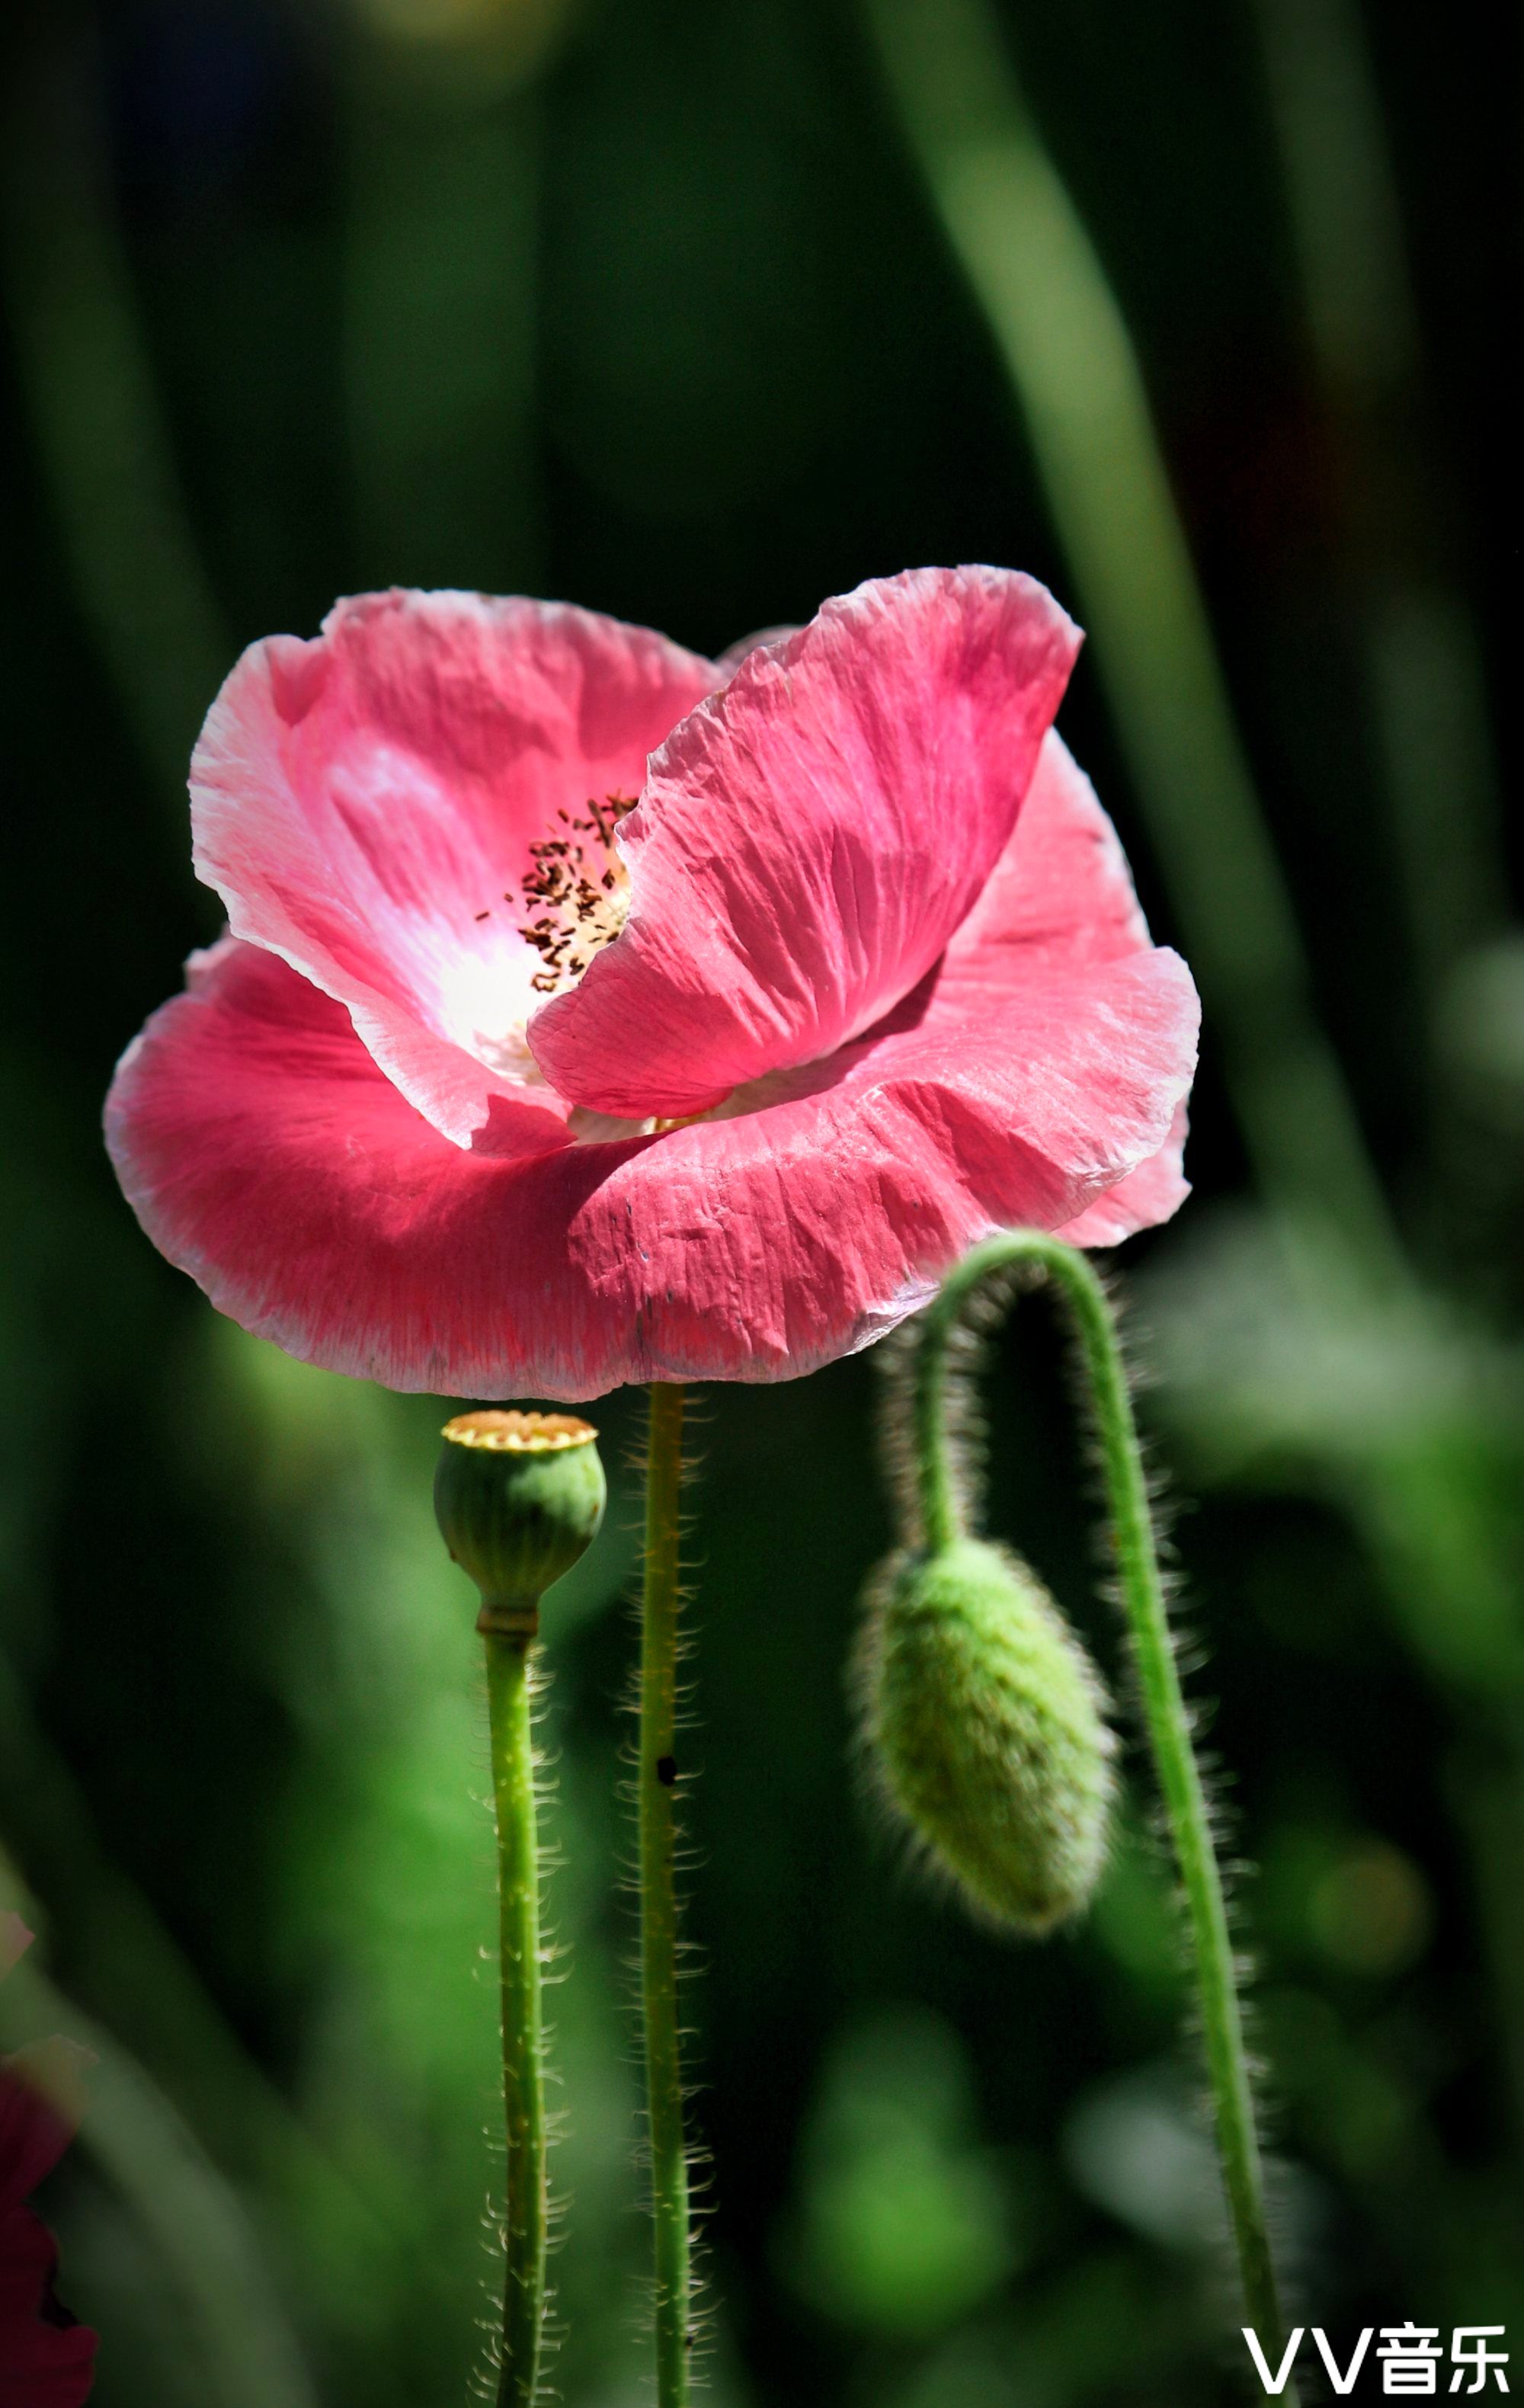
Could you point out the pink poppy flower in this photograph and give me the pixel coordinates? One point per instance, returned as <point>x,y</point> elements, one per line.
<point>591,1013</point>
<point>46,2358</point>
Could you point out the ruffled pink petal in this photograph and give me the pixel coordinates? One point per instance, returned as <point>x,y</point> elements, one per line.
<point>267,1155</point>
<point>1148,1195</point>
<point>1060,894</point>
<point>811,837</point>
<point>744,646</point>
<point>364,802</point>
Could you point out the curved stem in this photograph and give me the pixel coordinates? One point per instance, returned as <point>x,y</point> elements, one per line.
<point>658,1898</point>
<point>935,1473</point>
<point>509,1696</point>
<point>1164,1706</point>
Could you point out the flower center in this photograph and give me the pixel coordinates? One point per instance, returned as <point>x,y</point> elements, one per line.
<point>576,893</point>
<point>518,1433</point>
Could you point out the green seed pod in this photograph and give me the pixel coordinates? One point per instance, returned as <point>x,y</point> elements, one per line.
<point>519,1498</point>
<point>982,1717</point>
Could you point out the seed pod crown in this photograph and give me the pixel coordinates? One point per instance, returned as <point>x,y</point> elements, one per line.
<point>519,1498</point>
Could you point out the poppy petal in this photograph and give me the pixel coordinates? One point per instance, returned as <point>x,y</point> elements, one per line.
<point>267,1155</point>
<point>809,838</point>
<point>364,804</point>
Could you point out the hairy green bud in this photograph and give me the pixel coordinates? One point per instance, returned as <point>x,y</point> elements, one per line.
<point>519,1498</point>
<point>983,1716</point>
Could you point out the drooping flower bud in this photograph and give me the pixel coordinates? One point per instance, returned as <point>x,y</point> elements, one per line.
<point>519,1498</point>
<point>983,1717</point>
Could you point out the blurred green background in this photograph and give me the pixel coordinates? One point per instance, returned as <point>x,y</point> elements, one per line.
<point>696,312</point>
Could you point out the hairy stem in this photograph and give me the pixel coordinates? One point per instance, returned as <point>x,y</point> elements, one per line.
<point>658,1898</point>
<point>1164,1706</point>
<point>509,1695</point>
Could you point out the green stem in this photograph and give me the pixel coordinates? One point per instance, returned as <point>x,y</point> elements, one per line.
<point>658,1898</point>
<point>942,1513</point>
<point>1164,1706</point>
<point>510,1699</point>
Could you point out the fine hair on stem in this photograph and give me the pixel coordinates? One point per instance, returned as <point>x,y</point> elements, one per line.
<point>934,1446</point>
<point>660,1779</point>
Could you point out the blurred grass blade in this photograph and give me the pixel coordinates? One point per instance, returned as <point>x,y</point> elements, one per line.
<point>1077,377</point>
<point>441,265</point>
<point>1341,191</point>
<point>1424,664</point>
<point>95,421</point>
<point>235,2325</point>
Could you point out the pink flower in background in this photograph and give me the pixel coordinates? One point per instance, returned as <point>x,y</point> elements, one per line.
<point>588,1015</point>
<point>46,2359</point>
